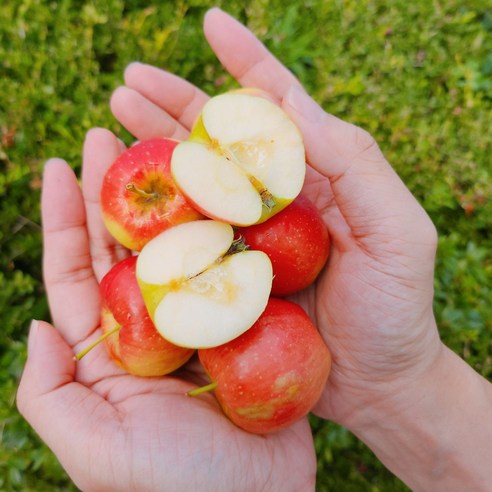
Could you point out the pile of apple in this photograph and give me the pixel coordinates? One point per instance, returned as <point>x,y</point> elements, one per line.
<point>220,234</point>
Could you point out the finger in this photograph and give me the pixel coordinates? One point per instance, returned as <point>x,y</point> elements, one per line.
<point>56,406</point>
<point>373,200</point>
<point>101,148</point>
<point>244,56</point>
<point>318,189</point>
<point>179,98</point>
<point>143,118</point>
<point>71,286</point>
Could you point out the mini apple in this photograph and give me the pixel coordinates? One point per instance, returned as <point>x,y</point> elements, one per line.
<point>297,242</point>
<point>244,160</point>
<point>139,198</point>
<point>130,336</point>
<point>273,374</point>
<point>200,288</point>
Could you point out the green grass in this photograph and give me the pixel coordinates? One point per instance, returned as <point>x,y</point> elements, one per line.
<point>418,75</point>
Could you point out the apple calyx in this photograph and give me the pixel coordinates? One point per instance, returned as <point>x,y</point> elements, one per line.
<point>202,389</point>
<point>94,344</point>
<point>153,195</point>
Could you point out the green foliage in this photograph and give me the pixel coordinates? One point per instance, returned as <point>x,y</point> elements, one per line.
<point>418,75</point>
<point>347,465</point>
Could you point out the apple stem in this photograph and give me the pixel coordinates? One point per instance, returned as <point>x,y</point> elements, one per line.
<point>266,197</point>
<point>134,189</point>
<point>237,246</point>
<point>97,342</point>
<point>202,389</point>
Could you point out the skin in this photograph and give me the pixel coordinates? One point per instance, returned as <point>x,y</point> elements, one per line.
<point>393,383</point>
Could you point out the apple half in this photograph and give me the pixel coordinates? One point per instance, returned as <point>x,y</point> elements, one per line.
<point>244,160</point>
<point>199,289</point>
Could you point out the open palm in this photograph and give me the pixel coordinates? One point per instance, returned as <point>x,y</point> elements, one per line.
<point>373,303</point>
<point>110,430</point>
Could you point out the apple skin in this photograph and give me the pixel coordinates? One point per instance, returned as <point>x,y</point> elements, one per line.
<point>272,375</point>
<point>152,204</point>
<point>137,347</point>
<point>297,242</point>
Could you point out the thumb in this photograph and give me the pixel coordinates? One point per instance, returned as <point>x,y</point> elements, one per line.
<point>372,198</point>
<point>50,365</point>
<point>59,409</point>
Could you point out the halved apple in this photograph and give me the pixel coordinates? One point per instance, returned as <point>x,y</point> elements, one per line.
<point>244,160</point>
<point>200,290</point>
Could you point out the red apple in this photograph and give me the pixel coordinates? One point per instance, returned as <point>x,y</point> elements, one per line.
<point>297,242</point>
<point>139,198</point>
<point>273,374</point>
<point>136,346</point>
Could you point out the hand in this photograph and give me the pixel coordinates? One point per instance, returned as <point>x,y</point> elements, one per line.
<point>373,302</point>
<point>110,430</point>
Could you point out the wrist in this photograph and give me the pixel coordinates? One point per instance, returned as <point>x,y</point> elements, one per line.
<point>435,434</point>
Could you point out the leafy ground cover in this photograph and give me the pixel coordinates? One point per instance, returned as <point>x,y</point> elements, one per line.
<point>418,75</point>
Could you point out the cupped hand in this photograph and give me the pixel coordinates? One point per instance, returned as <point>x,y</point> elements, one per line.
<point>111,430</point>
<point>373,302</point>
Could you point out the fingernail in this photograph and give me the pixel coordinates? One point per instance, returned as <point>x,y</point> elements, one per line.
<point>31,339</point>
<point>213,9</point>
<point>53,161</point>
<point>134,65</point>
<point>298,99</point>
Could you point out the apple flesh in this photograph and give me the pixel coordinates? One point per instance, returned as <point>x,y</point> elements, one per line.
<point>139,198</point>
<point>136,345</point>
<point>244,160</point>
<point>297,242</point>
<point>272,375</point>
<point>200,291</point>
